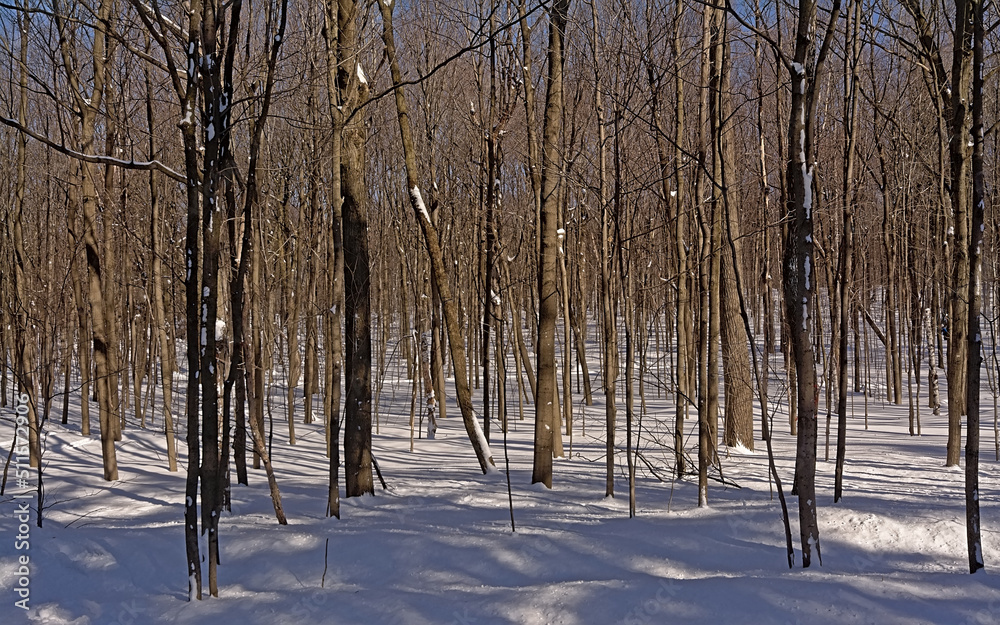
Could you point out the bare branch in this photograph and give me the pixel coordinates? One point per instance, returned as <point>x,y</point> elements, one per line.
<point>95,158</point>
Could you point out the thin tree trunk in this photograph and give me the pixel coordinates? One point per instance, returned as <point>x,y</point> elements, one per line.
<point>86,177</point>
<point>455,342</point>
<point>159,311</point>
<point>23,340</point>
<point>799,274</point>
<point>191,256</point>
<point>847,244</point>
<point>975,345</point>
<point>610,343</point>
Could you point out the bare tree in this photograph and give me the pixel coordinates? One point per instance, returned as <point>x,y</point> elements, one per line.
<point>951,95</point>
<point>88,104</point>
<point>431,241</point>
<point>975,346</point>
<point>24,342</point>
<point>546,399</point>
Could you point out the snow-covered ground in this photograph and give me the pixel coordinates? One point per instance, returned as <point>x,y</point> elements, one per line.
<point>437,547</point>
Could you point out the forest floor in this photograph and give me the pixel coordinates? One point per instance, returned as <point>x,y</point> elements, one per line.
<point>437,546</point>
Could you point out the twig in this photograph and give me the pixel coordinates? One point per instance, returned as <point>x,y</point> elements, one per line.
<point>326,559</point>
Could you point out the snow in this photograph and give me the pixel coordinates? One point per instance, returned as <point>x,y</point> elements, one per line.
<point>437,547</point>
<point>192,588</point>
<point>418,199</point>
<point>800,73</point>
<point>361,74</point>
<point>807,200</point>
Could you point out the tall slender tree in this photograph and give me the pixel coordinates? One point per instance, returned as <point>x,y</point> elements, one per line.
<point>546,399</point>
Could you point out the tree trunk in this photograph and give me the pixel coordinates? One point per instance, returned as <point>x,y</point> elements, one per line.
<point>357,280</point>
<point>799,275</point>
<point>455,341</point>
<point>975,344</point>
<point>735,355</point>
<point>22,337</point>
<point>959,151</point>
<point>546,401</point>
<point>159,310</point>
<point>86,176</point>
<point>847,244</point>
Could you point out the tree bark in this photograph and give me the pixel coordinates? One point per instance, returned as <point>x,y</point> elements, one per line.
<point>86,177</point>
<point>844,276</point>
<point>167,365</point>
<point>975,340</point>
<point>737,383</point>
<point>799,274</point>
<point>23,340</point>
<point>431,241</point>
<point>546,401</point>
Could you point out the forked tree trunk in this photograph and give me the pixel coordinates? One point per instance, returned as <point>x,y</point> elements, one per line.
<point>952,92</point>
<point>353,91</point>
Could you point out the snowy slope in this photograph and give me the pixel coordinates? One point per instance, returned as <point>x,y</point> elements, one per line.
<point>437,547</point>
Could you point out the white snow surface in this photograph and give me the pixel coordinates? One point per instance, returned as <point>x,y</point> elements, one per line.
<point>437,547</point>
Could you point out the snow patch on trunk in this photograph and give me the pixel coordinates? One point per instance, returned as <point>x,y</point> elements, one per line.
<point>418,201</point>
